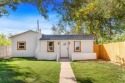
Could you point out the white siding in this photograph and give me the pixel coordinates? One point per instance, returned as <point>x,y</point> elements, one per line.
<point>31,43</point>
<point>38,48</point>
<point>44,47</point>
<point>83,56</point>
<point>47,56</point>
<point>43,54</point>
<point>86,47</point>
<point>71,47</point>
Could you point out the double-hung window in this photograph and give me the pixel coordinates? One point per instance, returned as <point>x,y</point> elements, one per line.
<point>21,45</point>
<point>50,46</point>
<point>77,46</point>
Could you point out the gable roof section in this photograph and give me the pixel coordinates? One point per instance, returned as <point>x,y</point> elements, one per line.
<point>67,37</point>
<point>23,33</point>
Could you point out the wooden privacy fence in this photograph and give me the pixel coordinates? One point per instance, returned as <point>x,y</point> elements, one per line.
<point>5,51</point>
<point>112,51</point>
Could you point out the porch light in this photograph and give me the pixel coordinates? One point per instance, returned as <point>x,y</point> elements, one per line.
<point>69,42</point>
<point>58,43</point>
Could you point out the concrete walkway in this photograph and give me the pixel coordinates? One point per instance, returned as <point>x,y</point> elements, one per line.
<point>66,74</point>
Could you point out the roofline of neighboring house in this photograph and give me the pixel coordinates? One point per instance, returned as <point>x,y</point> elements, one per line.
<point>23,33</point>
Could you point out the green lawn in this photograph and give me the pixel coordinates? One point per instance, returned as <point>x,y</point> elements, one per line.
<point>23,70</point>
<point>98,72</point>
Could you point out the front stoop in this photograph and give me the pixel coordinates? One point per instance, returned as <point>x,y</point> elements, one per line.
<point>66,74</point>
<point>64,60</point>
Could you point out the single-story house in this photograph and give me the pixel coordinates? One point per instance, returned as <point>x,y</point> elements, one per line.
<point>52,47</point>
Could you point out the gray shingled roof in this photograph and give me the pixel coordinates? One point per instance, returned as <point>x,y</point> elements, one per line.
<point>67,37</point>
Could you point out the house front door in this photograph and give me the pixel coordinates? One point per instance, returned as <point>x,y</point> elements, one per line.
<point>64,49</point>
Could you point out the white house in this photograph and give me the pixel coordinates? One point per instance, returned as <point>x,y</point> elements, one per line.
<point>52,47</point>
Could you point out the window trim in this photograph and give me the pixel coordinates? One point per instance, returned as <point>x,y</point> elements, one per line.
<point>21,42</point>
<point>48,46</point>
<point>75,47</point>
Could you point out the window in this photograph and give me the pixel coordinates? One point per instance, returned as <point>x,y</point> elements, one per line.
<point>50,46</point>
<point>21,45</point>
<point>77,46</point>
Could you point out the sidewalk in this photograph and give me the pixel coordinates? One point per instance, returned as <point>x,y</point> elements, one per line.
<point>66,74</point>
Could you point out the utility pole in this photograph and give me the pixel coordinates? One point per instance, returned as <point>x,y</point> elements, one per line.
<point>38,26</point>
<point>38,29</point>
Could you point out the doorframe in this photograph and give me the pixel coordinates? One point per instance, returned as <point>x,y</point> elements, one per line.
<point>67,47</point>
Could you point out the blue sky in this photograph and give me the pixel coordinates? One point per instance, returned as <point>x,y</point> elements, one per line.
<point>25,18</point>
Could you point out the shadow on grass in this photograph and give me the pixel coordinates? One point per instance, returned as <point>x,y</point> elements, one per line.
<point>14,74</point>
<point>23,59</point>
<point>85,80</point>
<point>19,59</point>
<point>37,77</point>
<point>8,74</point>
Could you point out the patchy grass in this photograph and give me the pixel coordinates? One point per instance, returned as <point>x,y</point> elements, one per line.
<point>28,70</point>
<point>98,72</point>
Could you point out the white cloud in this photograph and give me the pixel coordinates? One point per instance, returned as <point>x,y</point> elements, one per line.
<point>14,26</point>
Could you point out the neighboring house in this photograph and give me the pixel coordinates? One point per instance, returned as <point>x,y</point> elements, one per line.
<point>52,47</point>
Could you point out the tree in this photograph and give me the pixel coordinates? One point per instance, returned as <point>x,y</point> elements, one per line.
<point>102,18</point>
<point>41,5</point>
<point>59,29</point>
<point>54,29</point>
<point>4,41</point>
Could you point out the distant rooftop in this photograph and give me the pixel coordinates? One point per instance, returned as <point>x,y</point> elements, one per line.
<point>67,37</point>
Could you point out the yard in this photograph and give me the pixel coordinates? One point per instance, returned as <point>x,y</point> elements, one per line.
<point>26,70</point>
<point>98,72</point>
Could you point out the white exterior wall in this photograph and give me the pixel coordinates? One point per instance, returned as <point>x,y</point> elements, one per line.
<point>83,56</point>
<point>44,55</point>
<point>44,47</point>
<point>31,43</point>
<point>86,47</point>
<point>38,48</point>
<point>47,56</point>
